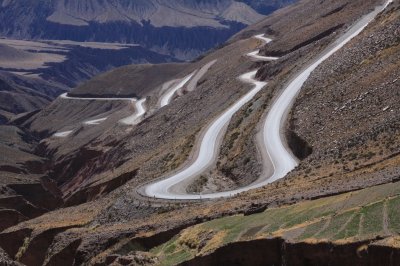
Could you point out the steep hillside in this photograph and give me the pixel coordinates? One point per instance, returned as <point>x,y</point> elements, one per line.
<point>38,71</point>
<point>87,34</point>
<point>68,155</point>
<point>20,94</point>
<point>129,81</point>
<point>298,38</point>
<point>356,95</point>
<point>81,39</point>
<point>339,206</point>
<point>330,231</point>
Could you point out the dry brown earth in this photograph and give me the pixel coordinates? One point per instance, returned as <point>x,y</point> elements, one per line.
<point>106,213</point>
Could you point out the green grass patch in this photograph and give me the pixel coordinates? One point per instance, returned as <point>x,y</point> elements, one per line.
<point>336,225</point>
<point>312,229</point>
<point>232,225</point>
<point>166,247</point>
<point>394,215</point>
<point>276,217</point>
<point>170,248</point>
<point>170,253</point>
<point>175,258</point>
<point>236,225</point>
<point>341,226</point>
<point>373,218</point>
<point>351,230</point>
<point>307,215</point>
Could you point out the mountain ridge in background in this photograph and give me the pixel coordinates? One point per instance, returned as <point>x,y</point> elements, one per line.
<point>183,29</point>
<point>65,43</point>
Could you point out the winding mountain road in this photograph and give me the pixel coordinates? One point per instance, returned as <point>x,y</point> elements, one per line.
<point>191,86</point>
<point>168,96</point>
<point>135,117</point>
<point>140,111</point>
<point>65,96</point>
<point>171,188</point>
<point>276,153</point>
<point>95,121</point>
<point>171,87</point>
<point>256,54</point>
<point>62,134</point>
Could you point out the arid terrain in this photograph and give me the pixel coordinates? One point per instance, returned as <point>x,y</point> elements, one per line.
<point>180,29</point>
<point>67,43</point>
<point>71,178</point>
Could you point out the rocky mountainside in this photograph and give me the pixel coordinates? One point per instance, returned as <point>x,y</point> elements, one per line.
<point>128,81</point>
<point>70,191</point>
<point>34,73</point>
<point>267,7</point>
<point>182,29</point>
<point>76,40</point>
<point>20,94</point>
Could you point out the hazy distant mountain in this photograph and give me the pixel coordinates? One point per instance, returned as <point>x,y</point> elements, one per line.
<point>33,73</point>
<point>183,29</point>
<point>162,31</point>
<point>266,7</point>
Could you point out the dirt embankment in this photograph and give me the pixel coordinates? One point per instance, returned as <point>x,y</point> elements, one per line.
<point>347,109</point>
<point>278,252</point>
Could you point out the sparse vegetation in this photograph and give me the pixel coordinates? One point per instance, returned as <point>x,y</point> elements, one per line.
<point>23,248</point>
<point>322,219</point>
<point>394,214</point>
<point>198,185</point>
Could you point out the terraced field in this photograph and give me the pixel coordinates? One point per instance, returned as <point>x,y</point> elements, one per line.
<point>356,216</point>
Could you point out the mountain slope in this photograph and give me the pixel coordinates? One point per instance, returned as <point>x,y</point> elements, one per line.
<point>128,81</point>
<point>176,28</point>
<point>157,13</point>
<point>20,94</point>
<point>156,31</point>
<point>38,71</point>
<point>333,207</point>
<point>267,7</point>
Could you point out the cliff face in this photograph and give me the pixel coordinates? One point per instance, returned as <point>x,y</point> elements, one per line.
<point>276,252</point>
